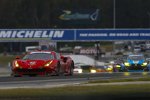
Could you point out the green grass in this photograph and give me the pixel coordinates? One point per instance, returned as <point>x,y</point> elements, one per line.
<point>146,78</point>
<point>4,60</point>
<point>106,92</point>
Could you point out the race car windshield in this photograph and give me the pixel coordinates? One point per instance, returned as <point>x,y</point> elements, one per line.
<point>38,56</point>
<point>136,57</point>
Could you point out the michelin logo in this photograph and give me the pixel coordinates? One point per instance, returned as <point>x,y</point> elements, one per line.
<point>31,34</point>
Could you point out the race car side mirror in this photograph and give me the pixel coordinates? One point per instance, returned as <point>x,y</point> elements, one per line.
<point>62,57</point>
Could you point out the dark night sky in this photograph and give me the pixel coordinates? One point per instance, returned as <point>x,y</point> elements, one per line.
<point>45,13</point>
<point>132,13</point>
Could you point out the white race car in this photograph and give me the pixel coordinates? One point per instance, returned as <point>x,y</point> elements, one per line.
<point>77,69</point>
<point>81,67</point>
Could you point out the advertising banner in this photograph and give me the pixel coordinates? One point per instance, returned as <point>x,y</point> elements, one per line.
<point>110,34</point>
<point>73,34</point>
<point>78,18</point>
<point>79,15</point>
<point>35,34</point>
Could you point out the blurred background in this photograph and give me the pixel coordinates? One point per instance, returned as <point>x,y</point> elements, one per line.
<point>75,14</point>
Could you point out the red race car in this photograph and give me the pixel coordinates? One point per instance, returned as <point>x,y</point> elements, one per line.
<point>42,63</point>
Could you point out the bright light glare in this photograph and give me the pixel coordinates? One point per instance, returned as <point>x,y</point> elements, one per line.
<point>80,71</point>
<point>144,64</point>
<point>93,71</point>
<point>48,63</point>
<point>16,64</point>
<point>109,69</point>
<point>127,64</point>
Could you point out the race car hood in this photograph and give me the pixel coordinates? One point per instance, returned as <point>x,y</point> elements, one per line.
<point>135,61</point>
<point>32,63</point>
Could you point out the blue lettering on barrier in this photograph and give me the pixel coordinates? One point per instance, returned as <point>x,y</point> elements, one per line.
<point>68,35</point>
<point>121,34</point>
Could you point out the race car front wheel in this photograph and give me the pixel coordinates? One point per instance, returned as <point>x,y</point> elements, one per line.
<point>71,69</point>
<point>58,69</point>
<point>15,75</point>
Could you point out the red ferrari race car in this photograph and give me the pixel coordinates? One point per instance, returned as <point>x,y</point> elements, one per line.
<point>42,63</point>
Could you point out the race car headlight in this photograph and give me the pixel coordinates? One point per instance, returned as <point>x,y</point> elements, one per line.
<point>80,71</point>
<point>48,63</point>
<point>127,64</point>
<point>144,64</point>
<point>109,68</point>
<point>93,71</point>
<point>118,66</point>
<point>16,64</point>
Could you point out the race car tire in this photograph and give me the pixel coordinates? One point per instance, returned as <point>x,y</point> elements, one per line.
<point>58,69</point>
<point>33,75</point>
<point>14,74</point>
<point>71,69</point>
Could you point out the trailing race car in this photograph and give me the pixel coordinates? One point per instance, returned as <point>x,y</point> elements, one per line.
<point>77,69</point>
<point>42,63</point>
<point>135,63</point>
<point>82,68</point>
<point>98,69</point>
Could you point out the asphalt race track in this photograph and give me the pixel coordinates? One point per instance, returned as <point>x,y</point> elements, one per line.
<point>7,82</point>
